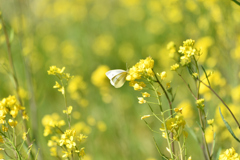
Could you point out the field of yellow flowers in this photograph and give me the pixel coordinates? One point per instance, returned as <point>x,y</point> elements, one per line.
<point>56,101</point>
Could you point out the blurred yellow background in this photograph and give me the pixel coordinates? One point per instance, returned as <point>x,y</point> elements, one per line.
<point>90,37</point>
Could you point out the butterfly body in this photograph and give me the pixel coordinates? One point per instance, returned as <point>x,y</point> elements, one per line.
<point>117,77</point>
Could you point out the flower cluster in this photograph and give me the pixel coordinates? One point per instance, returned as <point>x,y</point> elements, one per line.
<point>59,73</point>
<point>142,68</point>
<point>175,125</point>
<point>50,122</point>
<point>68,140</point>
<point>174,67</point>
<point>200,103</point>
<point>9,106</point>
<point>188,50</point>
<point>229,154</point>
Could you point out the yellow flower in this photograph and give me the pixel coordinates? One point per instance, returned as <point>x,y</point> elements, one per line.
<point>81,137</point>
<point>200,103</point>
<point>195,75</point>
<point>145,94</point>
<point>142,68</point>
<point>145,116</point>
<point>54,70</point>
<point>137,87</point>
<point>24,137</point>
<point>68,111</point>
<point>57,85</point>
<point>187,51</point>
<point>12,123</point>
<point>229,154</point>
<point>163,75</point>
<point>210,121</point>
<point>59,73</point>
<point>178,110</point>
<point>174,67</point>
<point>168,85</point>
<point>141,100</point>
<point>4,129</point>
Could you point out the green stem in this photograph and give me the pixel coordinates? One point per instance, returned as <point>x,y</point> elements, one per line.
<point>221,101</point>
<point>180,148</point>
<point>200,113</point>
<point>185,148</point>
<point>165,126</point>
<point>187,86</point>
<point>14,75</point>
<point>65,101</point>
<point>165,92</point>
<point>169,102</point>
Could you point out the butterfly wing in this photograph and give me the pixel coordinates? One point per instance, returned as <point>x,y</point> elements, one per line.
<point>118,80</point>
<point>112,73</point>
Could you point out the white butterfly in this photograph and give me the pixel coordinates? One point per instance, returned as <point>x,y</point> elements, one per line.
<point>117,77</point>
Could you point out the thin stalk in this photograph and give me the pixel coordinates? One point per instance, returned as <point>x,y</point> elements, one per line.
<point>200,114</point>
<point>165,92</point>
<point>165,126</point>
<point>185,148</point>
<point>151,128</point>
<point>187,86</point>
<point>65,101</point>
<point>13,73</point>
<point>221,101</point>
<point>180,148</point>
<point>169,102</point>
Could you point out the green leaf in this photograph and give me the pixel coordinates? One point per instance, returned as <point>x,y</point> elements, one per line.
<point>237,2</point>
<point>228,126</point>
<point>206,75</point>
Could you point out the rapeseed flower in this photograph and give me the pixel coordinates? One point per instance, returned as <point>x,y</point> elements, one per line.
<point>229,154</point>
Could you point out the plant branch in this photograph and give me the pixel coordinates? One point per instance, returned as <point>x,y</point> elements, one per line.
<point>221,101</point>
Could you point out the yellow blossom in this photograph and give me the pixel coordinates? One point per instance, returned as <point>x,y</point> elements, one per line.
<point>178,110</point>
<point>12,123</point>
<point>195,75</point>
<point>54,70</point>
<point>142,68</point>
<point>57,85</point>
<point>200,103</point>
<point>168,85</point>
<point>24,137</point>
<point>59,73</point>
<point>163,75</point>
<point>210,121</point>
<point>68,111</point>
<point>174,67</point>
<point>229,154</point>
<point>145,116</point>
<point>145,94</point>
<point>187,51</point>
<point>141,100</point>
<point>4,129</point>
